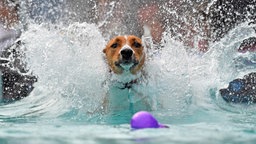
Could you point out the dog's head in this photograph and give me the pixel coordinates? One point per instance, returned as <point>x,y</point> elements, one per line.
<point>125,53</point>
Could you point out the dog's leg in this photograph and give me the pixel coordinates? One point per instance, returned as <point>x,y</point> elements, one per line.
<point>149,102</point>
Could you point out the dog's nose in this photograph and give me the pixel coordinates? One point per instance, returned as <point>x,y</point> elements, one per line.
<point>126,53</point>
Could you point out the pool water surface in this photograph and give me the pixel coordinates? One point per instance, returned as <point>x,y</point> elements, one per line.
<point>72,74</point>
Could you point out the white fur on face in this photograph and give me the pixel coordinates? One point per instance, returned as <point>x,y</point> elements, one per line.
<point>126,46</point>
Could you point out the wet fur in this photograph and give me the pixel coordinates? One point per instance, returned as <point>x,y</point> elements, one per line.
<point>113,56</point>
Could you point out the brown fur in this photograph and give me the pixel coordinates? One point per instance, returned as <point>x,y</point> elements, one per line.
<point>113,54</point>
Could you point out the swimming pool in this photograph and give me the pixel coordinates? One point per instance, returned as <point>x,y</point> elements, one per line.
<point>71,84</point>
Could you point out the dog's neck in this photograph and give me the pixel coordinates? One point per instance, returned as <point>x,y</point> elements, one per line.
<point>128,85</point>
<point>125,77</point>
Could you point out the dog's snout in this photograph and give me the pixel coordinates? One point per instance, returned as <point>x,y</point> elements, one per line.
<point>126,53</point>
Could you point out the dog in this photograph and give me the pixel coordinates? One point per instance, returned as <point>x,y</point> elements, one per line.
<point>125,56</point>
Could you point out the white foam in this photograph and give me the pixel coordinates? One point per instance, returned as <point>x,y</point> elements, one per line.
<point>72,73</point>
<point>69,65</point>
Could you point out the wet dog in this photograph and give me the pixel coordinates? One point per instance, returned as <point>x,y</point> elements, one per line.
<point>125,57</point>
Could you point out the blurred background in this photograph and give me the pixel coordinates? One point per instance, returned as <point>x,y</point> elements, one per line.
<point>195,23</point>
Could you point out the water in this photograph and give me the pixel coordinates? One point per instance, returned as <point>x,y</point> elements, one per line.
<point>72,74</point>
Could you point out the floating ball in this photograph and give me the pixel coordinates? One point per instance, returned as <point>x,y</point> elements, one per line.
<point>143,119</point>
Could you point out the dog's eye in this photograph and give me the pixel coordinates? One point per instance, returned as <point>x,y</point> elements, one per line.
<point>137,45</point>
<point>114,45</point>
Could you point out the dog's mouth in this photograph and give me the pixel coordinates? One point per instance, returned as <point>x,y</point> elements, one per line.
<point>126,64</point>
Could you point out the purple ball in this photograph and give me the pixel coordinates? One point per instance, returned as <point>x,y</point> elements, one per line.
<point>144,119</point>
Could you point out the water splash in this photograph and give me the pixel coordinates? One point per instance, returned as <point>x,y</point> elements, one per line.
<point>67,62</point>
<point>71,71</point>
<point>220,65</point>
